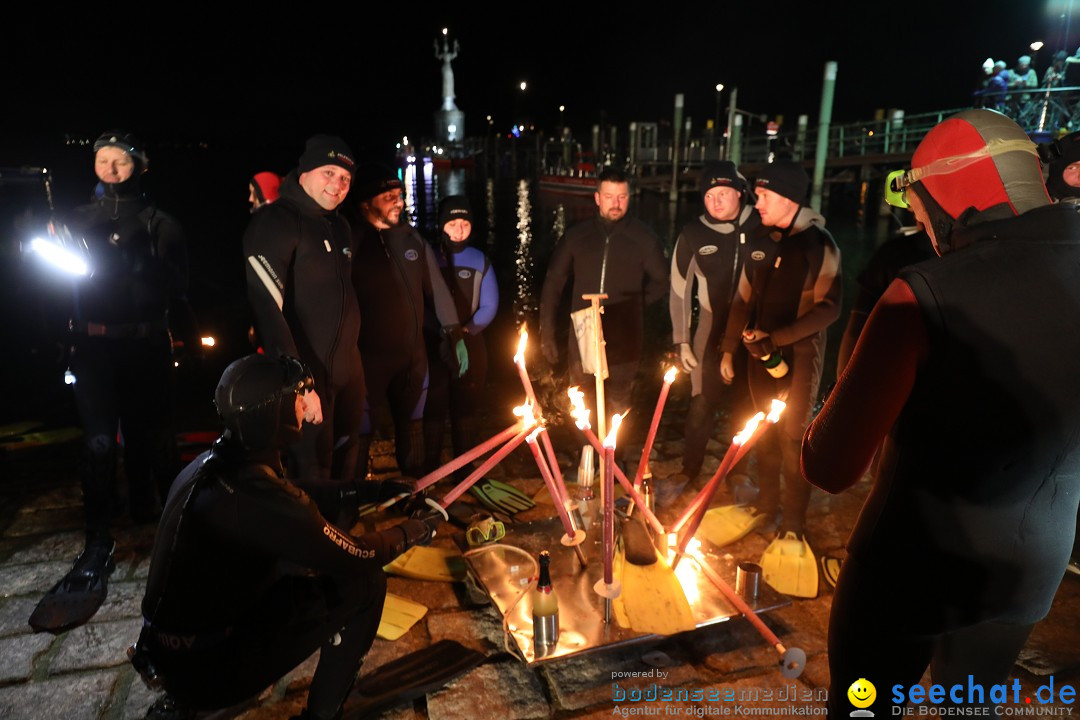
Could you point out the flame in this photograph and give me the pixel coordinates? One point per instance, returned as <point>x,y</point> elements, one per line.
<point>669,376</point>
<point>748,429</point>
<point>525,412</point>
<point>523,342</point>
<point>616,420</point>
<point>777,408</point>
<point>531,437</point>
<point>686,573</point>
<point>578,411</point>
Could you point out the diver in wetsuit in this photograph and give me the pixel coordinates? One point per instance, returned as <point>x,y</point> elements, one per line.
<point>471,280</point>
<point>709,253</point>
<point>122,360</point>
<point>613,254</point>
<point>299,277</point>
<point>395,274</point>
<point>247,579</point>
<point>789,293</point>
<point>978,424</point>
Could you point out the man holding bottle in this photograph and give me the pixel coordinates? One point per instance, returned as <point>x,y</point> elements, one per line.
<point>788,294</point>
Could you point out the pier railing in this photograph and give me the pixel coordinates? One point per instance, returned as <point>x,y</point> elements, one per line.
<point>1042,112</point>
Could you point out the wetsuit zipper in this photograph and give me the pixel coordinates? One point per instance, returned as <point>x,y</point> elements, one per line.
<point>341,309</point>
<point>405,285</point>
<point>603,263</point>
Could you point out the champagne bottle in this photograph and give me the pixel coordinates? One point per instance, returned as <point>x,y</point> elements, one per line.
<point>545,606</point>
<point>775,365</point>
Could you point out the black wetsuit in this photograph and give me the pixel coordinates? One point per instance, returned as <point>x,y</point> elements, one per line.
<point>247,580</point>
<point>976,493</point>
<point>395,273</point>
<point>121,348</point>
<point>299,276</point>
<point>790,288</point>
<point>710,255</point>
<point>471,280</point>
<point>625,260</point>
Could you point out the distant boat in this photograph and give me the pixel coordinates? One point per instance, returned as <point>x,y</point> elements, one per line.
<point>557,176</point>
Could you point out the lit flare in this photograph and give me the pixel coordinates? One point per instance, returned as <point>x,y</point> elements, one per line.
<point>578,411</point>
<point>523,342</point>
<point>616,420</point>
<point>774,413</point>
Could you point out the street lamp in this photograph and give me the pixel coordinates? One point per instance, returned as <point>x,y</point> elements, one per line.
<point>522,86</point>
<point>716,121</point>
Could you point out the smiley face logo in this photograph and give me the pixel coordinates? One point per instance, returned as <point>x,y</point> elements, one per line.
<point>862,693</point>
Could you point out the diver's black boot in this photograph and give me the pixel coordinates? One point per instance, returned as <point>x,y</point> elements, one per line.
<point>167,708</point>
<point>409,449</point>
<point>80,593</point>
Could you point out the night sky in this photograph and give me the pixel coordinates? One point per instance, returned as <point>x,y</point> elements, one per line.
<point>193,76</point>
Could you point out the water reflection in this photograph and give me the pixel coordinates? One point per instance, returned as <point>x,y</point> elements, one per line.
<point>489,206</point>
<point>558,229</point>
<point>409,182</point>
<point>455,183</point>
<point>525,304</point>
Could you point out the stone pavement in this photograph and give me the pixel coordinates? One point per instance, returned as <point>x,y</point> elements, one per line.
<point>84,673</point>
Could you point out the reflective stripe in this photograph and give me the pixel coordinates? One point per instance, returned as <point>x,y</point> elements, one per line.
<point>267,281</point>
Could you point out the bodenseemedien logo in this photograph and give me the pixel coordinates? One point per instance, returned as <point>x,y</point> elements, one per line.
<point>861,694</point>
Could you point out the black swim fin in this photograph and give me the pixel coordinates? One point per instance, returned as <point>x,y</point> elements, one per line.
<point>409,677</point>
<point>79,594</point>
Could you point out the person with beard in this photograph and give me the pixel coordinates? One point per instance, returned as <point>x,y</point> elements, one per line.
<point>121,357</point>
<point>471,280</point>
<point>299,276</point>
<point>709,253</point>
<point>978,424</point>
<point>789,293</point>
<point>396,279</point>
<point>614,254</point>
<point>247,579</point>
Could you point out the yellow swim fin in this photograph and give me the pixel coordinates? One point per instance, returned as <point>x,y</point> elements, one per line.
<point>652,599</point>
<point>789,566</point>
<point>429,563</point>
<point>398,616</point>
<point>728,523</point>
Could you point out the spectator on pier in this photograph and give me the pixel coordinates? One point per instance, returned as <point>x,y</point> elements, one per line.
<point>1024,75</point>
<point>1055,74</point>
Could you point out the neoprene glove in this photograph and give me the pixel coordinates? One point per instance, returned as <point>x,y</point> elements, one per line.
<point>431,517</point>
<point>686,355</point>
<point>462,355</point>
<point>760,348</point>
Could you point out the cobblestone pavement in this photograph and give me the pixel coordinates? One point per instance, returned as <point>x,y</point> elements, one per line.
<point>84,673</point>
